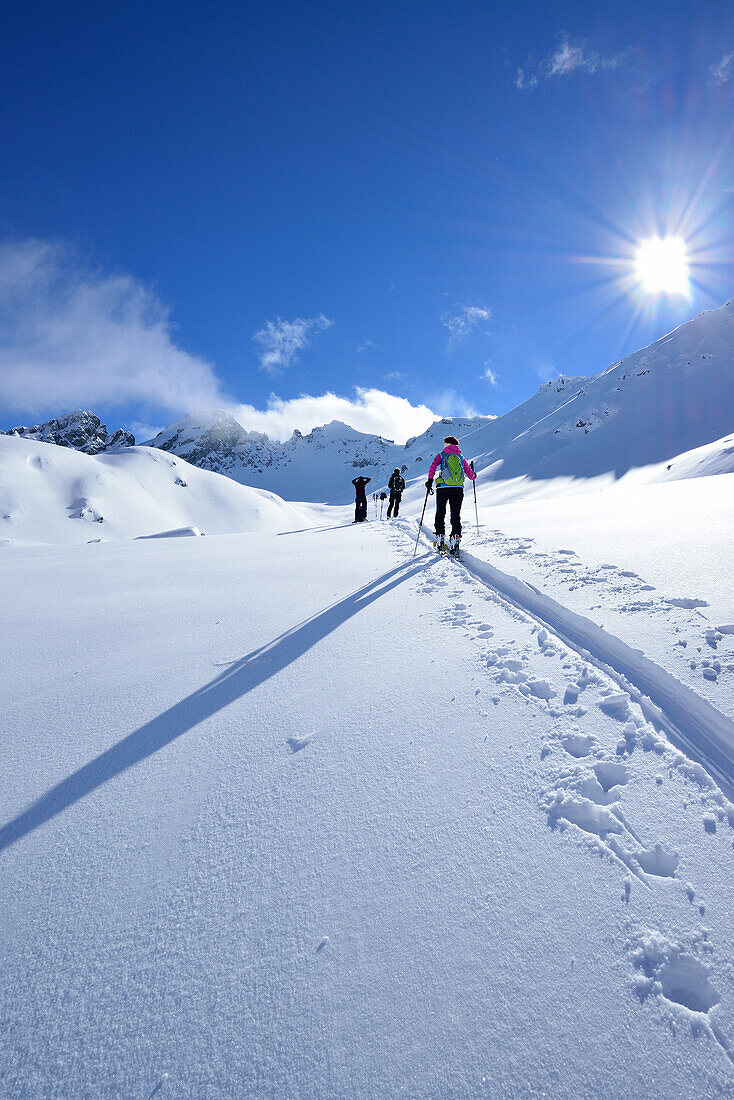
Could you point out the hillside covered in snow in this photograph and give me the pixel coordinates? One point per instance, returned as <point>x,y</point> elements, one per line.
<point>61,495</point>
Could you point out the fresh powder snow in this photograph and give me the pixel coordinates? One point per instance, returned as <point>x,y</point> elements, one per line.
<point>297,808</point>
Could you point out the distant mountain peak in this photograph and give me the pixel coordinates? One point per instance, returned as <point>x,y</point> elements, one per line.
<point>81,430</point>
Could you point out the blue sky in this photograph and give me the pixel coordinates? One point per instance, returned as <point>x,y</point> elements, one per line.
<point>244,204</point>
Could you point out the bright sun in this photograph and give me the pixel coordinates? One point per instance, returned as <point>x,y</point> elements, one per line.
<point>662,265</point>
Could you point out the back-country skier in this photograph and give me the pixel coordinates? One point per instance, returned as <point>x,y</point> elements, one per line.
<point>360,500</point>
<point>449,491</point>
<point>396,485</point>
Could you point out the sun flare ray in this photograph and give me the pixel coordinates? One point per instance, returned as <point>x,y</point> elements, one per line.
<point>661,266</point>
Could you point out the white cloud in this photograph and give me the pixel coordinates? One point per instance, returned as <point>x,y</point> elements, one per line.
<point>721,70</point>
<point>280,341</point>
<point>569,56</point>
<point>365,345</point>
<point>461,320</point>
<point>143,432</point>
<point>451,403</point>
<point>72,336</point>
<point>490,375</point>
<point>369,410</point>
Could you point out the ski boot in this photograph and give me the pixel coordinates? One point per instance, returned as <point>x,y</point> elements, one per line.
<point>439,544</point>
<point>454,545</point>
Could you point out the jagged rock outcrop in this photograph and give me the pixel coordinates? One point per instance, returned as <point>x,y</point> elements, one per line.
<point>80,430</point>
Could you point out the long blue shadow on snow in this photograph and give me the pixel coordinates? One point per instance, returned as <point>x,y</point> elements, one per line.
<point>240,678</point>
<point>315,530</point>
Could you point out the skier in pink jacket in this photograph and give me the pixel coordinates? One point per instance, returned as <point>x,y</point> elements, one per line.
<point>449,491</point>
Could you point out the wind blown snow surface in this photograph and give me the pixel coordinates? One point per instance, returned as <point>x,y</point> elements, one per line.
<point>299,814</point>
<point>300,809</point>
<point>59,495</point>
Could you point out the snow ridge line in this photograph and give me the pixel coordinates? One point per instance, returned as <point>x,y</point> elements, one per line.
<point>691,723</point>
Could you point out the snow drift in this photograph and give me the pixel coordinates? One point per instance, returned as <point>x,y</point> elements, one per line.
<point>60,495</point>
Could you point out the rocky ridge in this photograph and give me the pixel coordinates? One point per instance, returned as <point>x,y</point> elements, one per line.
<point>80,430</point>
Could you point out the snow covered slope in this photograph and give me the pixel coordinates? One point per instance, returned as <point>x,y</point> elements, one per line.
<point>671,397</point>
<point>674,396</point>
<point>60,495</point>
<point>364,831</point>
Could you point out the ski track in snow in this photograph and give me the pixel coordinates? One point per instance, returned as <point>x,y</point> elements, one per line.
<point>587,774</point>
<point>701,652</point>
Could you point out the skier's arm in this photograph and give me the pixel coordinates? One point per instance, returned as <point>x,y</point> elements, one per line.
<point>469,470</point>
<point>434,466</point>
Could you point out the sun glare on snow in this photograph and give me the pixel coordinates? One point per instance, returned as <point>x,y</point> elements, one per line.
<point>661,265</point>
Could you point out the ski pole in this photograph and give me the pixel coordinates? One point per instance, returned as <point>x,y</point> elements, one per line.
<point>420,525</point>
<point>476,510</point>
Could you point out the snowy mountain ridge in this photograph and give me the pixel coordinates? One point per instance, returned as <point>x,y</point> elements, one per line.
<point>669,398</point>
<point>216,441</point>
<point>80,430</point>
<point>665,400</point>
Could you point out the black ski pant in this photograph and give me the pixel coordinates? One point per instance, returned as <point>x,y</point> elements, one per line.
<point>360,509</point>
<point>454,497</point>
<point>393,507</point>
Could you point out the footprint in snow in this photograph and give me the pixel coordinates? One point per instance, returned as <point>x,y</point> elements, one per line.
<point>671,972</point>
<point>656,861</point>
<point>565,809</point>
<point>577,744</point>
<point>297,743</point>
<point>610,773</point>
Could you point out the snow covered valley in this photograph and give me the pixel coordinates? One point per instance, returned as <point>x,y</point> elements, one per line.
<point>291,813</point>
<point>301,809</point>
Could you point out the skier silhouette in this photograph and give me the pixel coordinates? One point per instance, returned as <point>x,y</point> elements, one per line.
<point>360,500</point>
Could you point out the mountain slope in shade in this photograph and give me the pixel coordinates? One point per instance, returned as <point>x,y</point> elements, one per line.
<point>318,466</point>
<point>59,495</point>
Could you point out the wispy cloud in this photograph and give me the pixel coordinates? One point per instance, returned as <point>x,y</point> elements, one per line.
<point>568,56</point>
<point>721,71</point>
<point>72,335</point>
<point>462,320</point>
<point>368,410</point>
<point>489,375</point>
<point>448,402</point>
<point>365,345</point>
<point>280,341</point>
<point>545,369</point>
